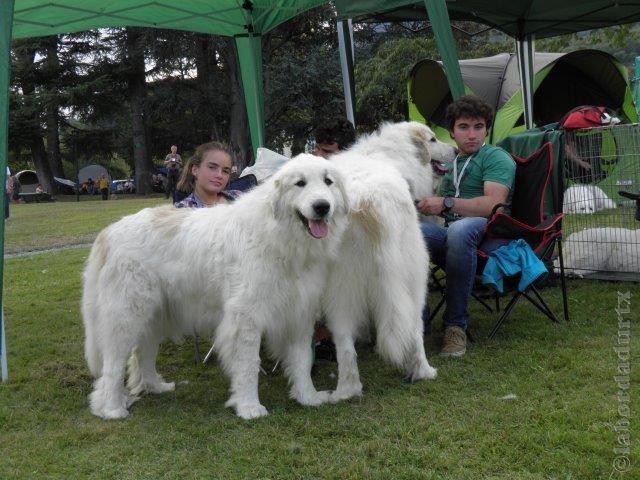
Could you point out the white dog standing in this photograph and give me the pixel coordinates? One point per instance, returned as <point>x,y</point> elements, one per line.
<point>254,268</point>
<point>383,265</point>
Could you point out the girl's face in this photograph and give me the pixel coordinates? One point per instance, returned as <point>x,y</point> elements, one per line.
<point>212,175</point>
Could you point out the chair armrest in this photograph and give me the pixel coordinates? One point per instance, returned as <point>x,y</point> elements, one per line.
<point>498,206</point>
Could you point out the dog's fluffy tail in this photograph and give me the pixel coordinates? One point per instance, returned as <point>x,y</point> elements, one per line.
<point>134,381</point>
<point>397,303</point>
<point>90,307</point>
<point>396,334</point>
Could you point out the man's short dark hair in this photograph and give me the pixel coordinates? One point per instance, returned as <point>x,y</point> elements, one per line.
<point>469,106</point>
<point>337,130</point>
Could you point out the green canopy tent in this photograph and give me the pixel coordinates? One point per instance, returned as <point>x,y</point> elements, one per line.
<point>247,20</point>
<point>561,81</point>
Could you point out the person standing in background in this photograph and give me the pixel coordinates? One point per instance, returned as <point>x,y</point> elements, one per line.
<point>103,186</point>
<point>173,162</point>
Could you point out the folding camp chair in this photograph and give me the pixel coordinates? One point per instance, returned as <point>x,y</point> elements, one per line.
<point>536,217</point>
<point>534,220</point>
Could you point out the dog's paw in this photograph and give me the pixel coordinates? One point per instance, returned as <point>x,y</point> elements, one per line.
<point>426,372</point>
<point>346,393</point>
<point>313,399</point>
<point>251,411</point>
<point>108,408</point>
<point>112,414</point>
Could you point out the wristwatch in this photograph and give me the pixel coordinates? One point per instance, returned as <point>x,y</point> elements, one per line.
<point>448,203</point>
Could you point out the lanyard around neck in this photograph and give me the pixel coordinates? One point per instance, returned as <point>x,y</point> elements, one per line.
<point>457,179</point>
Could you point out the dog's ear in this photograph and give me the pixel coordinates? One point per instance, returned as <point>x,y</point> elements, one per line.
<point>277,199</point>
<point>339,181</point>
<point>420,137</point>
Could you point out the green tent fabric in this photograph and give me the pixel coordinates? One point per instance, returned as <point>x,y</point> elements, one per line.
<point>561,82</point>
<point>34,18</point>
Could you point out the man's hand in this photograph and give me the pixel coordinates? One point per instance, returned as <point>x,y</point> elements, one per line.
<point>468,207</point>
<point>430,206</point>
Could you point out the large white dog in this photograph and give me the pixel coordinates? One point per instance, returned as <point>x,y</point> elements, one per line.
<point>604,249</point>
<point>382,270</point>
<point>254,268</point>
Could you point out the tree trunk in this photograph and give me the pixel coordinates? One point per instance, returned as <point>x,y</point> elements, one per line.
<point>137,89</point>
<point>41,163</point>
<point>238,122</point>
<point>205,64</point>
<point>53,141</point>
<point>36,143</point>
<point>208,80</point>
<point>52,111</point>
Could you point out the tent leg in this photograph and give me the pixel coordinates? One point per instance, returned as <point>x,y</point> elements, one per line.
<point>250,59</point>
<point>6,24</point>
<point>525,49</point>
<point>3,350</point>
<point>345,43</point>
<point>441,25</point>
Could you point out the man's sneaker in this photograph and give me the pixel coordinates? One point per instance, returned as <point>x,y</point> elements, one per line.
<point>454,343</point>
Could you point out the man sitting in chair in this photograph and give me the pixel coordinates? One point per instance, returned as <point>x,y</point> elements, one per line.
<point>480,177</point>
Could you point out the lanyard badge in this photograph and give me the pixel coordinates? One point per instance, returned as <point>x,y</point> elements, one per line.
<point>457,179</point>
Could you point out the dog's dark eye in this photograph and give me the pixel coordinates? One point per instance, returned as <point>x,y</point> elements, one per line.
<point>328,181</point>
<point>300,183</point>
<point>433,139</point>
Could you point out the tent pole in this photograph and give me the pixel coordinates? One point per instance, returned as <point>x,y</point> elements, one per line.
<point>441,26</point>
<point>525,47</point>
<point>6,22</point>
<point>249,50</point>
<point>345,43</point>
<point>635,84</point>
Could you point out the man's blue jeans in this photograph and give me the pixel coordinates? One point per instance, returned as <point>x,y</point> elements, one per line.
<point>453,248</point>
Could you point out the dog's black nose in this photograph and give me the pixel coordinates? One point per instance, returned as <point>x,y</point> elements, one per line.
<point>321,207</point>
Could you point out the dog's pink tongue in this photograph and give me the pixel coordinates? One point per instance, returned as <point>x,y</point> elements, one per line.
<point>318,228</point>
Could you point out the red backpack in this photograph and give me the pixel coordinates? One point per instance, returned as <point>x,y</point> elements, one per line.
<point>587,116</point>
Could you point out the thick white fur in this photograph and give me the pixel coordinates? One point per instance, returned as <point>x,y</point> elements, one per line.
<point>606,249</point>
<point>381,273</point>
<point>586,199</point>
<point>247,270</point>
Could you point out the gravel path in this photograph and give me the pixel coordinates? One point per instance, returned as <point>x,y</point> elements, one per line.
<point>46,250</point>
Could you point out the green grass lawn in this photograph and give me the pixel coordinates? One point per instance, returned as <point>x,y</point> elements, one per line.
<point>459,426</point>
<point>37,226</point>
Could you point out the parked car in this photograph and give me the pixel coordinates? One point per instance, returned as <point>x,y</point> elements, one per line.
<point>123,186</point>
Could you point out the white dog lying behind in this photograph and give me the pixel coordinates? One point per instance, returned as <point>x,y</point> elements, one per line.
<point>382,269</point>
<point>606,249</point>
<point>254,268</point>
<point>586,199</point>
